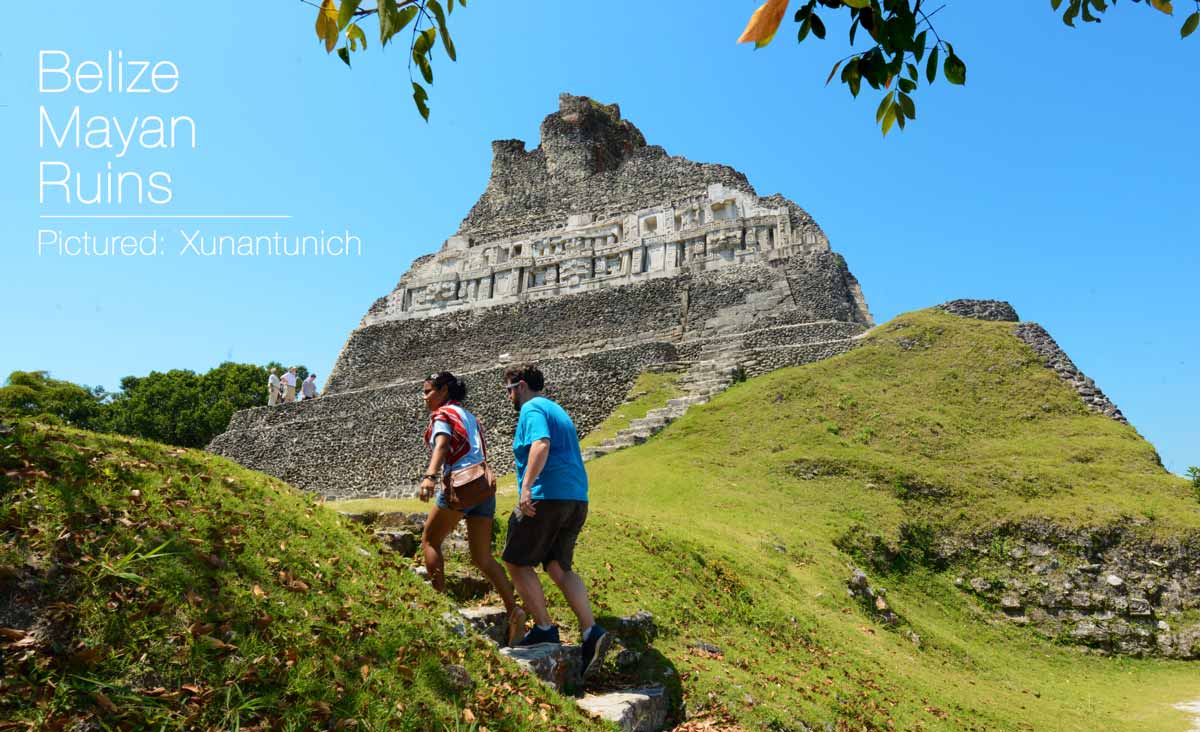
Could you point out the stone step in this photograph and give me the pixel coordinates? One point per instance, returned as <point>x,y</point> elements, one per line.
<point>490,622</point>
<point>649,423</point>
<point>637,435</point>
<point>636,710</point>
<point>556,665</point>
<point>686,401</point>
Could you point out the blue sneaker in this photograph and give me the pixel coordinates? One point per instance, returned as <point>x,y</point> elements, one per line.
<point>595,646</point>
<point>537,635</point>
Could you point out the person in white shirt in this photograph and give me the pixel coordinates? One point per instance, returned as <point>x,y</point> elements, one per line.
<point>289,385</point>
<point>272,389</point>
<point>308,389</point>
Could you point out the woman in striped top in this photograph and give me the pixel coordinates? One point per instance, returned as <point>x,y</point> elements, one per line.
<point>456,440</point>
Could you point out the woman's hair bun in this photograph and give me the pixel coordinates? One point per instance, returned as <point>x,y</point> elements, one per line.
<point>456,389</point>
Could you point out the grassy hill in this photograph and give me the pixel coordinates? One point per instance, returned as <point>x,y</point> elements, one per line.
<point>147,587</point>
<point>727,526</point>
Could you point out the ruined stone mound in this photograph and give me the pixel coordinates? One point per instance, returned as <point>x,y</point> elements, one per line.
<point>596,255</point>
<point>1043,345</point>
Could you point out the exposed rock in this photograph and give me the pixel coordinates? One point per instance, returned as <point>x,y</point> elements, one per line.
<point>636,630</point>
<point>638,710</point>
<point>708,648</point>
<point>399,540</point>
<point>1107,588</point>
<point>556,665</point>
<point>490,622</point>
<point>981,310</point>
<point>871,598</point>
<point>1055,358</point>
<point>458,677</point>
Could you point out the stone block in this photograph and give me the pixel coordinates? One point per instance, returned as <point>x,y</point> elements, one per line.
<point>638,710</point>
<point>490,622</point>
<point>556,665</point>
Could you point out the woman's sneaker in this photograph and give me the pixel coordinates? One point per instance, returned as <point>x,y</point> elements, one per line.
<point>537,635</point>
<point>594,647</point>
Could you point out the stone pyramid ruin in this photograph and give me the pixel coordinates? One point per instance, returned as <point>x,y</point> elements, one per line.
<point>597,256</point>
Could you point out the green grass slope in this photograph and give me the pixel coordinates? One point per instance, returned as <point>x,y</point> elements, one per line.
<point>146,587</point>
<point>725,526</point>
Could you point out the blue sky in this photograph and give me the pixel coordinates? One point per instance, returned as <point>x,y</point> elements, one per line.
<point>1061,178</point>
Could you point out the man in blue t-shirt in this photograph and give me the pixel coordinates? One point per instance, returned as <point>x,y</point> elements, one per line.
<point>552,492</point>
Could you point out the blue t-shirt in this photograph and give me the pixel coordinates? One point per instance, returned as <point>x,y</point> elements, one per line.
<point>563,478</point>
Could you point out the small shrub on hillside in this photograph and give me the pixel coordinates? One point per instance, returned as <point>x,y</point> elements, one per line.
<point>1194,473</point>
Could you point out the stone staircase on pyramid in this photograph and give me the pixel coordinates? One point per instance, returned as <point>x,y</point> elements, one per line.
<point>718,367</point>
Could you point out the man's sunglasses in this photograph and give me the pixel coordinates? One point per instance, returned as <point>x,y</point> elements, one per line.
<point>514,385</point>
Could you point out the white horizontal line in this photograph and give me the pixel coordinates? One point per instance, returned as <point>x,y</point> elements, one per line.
<point>165,216</point>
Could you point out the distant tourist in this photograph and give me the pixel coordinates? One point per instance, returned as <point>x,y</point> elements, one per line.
<point>464,486</point>
<point>289,385</point>
<point>308,388</point>
<point>273,388</point>
<point>552,506</point>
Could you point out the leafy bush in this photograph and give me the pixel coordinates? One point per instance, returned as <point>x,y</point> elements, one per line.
<point>178,407</point>
<point>35,394</point>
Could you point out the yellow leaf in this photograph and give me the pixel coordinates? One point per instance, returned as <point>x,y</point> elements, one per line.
<point>468,715</point>
<point>258,592</point>
<point>327,25</point>
<point>1163,6</point>
<point>763,24</point>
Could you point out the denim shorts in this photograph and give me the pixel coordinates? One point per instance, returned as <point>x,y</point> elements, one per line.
<point>483,509</point>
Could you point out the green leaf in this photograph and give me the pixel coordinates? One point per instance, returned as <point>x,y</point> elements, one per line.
<point>889,117</point>
<point>818,26</point>
<point>419,98</point>
<point>1189,25</point>
<point>853,30</point>
<point>907,85</point>
<point>440,16</point>
<point>344,55</point>
<point>1072,11</point>
<point>356,36</point>
<point>1163,6</point>
<point>387,17</point>
<point>912,71</point>
<point>422,62</point>
<point>932,65</point>
<point>860,4</point>
<point>392,20</point>
<point>346,12</point>
<point>1054,4</point>
<point>955,70</point>
<point>907,106</point>
<point>805,27</point>
<point>832,72</point>
<point>424,42</point>
<point>884,105</point>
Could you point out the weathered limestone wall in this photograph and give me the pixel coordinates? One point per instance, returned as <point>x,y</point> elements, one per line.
<point>368,442</point>
<point>803,288</point>
<point>1108,588</point>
